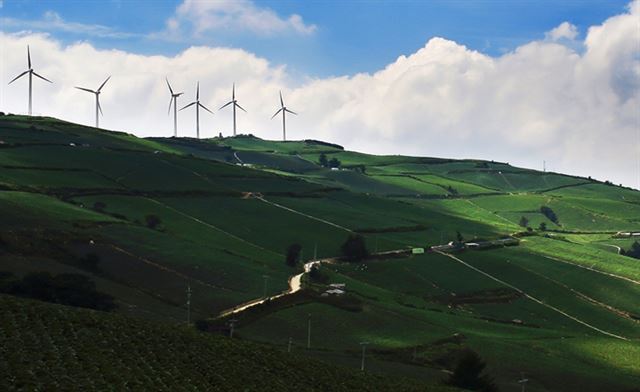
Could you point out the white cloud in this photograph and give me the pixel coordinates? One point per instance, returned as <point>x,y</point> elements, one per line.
<point>564,31</point>
<point>197,18</point>
<point>52,22</point>
<point>542,101</point>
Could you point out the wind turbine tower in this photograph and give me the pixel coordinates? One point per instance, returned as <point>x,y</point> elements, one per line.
<point>284,111</point>
<point>174,102</point>
<point>97,94</point>
<point>31,74</point>
<point>198,106</point>
<point>235,104</point>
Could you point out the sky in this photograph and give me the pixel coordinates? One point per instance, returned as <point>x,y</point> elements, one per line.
<point>518,81</point>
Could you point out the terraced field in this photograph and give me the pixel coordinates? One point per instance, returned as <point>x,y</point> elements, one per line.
<point>217,216</point>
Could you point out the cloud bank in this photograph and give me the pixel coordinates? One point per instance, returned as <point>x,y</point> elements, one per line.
<point>574,103</point>
<point>200,17</point>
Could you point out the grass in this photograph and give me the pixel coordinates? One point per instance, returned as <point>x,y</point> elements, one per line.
<point>219,238</point>
<point>49,346</point>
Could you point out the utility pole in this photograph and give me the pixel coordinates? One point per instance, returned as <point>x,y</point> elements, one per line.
<point>289,345</point>
<point>232,324</point>
<point>523,381</point>
<point>544,166</point>
<point>188,304</point>
<point>264,291</point>
<point>364,349</point>
<point>309,331</point>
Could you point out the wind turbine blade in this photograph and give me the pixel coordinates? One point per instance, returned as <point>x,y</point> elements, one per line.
<point>178,94</point>
<point>170,89</point>
<point>19,76</point>
<point>198,92</point>
<point>86,89</point>
<point>290,111</point>
<point>204,107</point>
<point>42,77</point>
<point>241,108</point>
<point>100,108</point>
<point>170,102</point>
<point>28,56</point>
<point>233,92</point>
<point>225,105</point>
<point>281,100</point>
<point>191,104</point>
<point>103,83</point>
<point>276,113</point>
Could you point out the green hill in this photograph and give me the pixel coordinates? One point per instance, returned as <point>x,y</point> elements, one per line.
<point>53,347</point>
<point>159,215</point>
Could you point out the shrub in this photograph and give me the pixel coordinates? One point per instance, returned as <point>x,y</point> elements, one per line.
<point>65,289</point>
<point>153,221</point>
<point>293,254</point>
<point>548,212</point>
<point>634,251</point>
<point>323,160</point>
<point>468,374</point>
<point>354,248</point>
<point>524,222</point>
<point>99,206</point>
<point>543,226</point>
<point>334,162</point>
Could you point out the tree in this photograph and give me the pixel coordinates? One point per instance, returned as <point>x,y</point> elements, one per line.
<point>459,236</point>
<point>354,248</point>
<point>452,190</point>
<point>543,226</point>
<point>99,206</point>
<point>468,374</point>
<point>323,160</point>
<point>293,254</point>
<point>334,162</point>
<point>634,251</point>
<point>548,212</point>
<point>524,222</point>
<point>152,221</point>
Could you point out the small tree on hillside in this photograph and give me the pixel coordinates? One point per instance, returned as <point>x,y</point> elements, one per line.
<point>543,226</point>
<point>153,221</point>
<point>524,222</point>
<point>354,248</point>
<point>99,206</point>
<point>634,251</point>
<point>323,160</point>
<point>459,236</point>
<point>334,162</point>
<point>549,213</point>
<point>293,254</point>
<point>468,374</point>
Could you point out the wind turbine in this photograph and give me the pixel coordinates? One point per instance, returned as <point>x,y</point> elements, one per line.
<point>235,104</point>
<point>284,111</point>
<point>31,73</point>
<point>97,94</point>
<point>174,101</point>
<point>198,106</point>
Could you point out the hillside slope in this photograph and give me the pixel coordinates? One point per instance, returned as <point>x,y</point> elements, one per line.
<point>53,347</point>
<point>159,216</point>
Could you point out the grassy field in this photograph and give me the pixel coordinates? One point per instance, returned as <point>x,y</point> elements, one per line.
<point>217,216</point>
<point>53,347</point>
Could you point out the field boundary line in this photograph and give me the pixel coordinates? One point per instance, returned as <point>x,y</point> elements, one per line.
<point>592,269</point>
<point>532,298</point>
<point>305,215</point>
<point>166,269</point>
<point>193,218</point>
